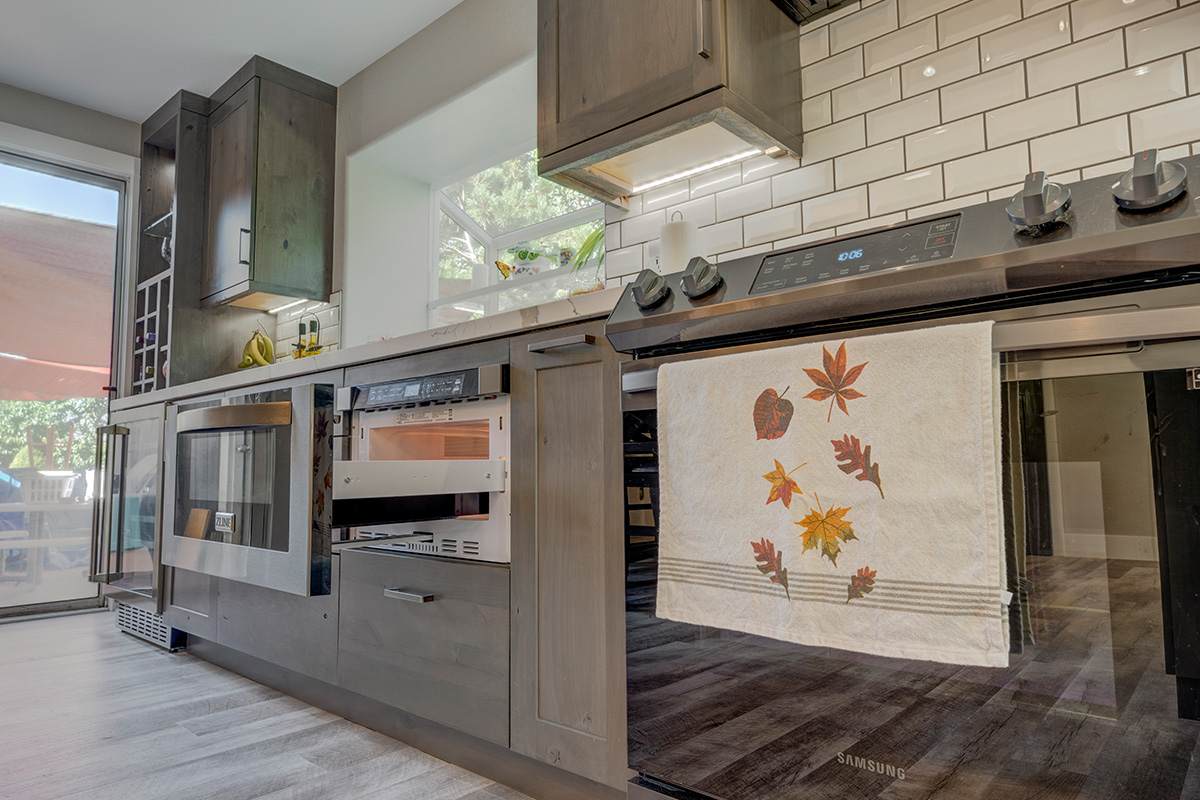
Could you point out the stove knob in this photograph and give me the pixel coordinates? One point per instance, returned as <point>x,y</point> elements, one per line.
<point>1151,183</point>
<point>700,278</point>
<point>649,289</point>
<point>1039,203</point>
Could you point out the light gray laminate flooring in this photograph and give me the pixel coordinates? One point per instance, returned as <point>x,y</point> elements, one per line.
<point>87,712</point>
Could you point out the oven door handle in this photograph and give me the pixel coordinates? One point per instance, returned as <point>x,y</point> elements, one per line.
<point>412,597</point>
<point>221,418</point>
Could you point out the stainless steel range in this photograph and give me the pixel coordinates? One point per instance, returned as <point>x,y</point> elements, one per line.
<point>1094,289</point>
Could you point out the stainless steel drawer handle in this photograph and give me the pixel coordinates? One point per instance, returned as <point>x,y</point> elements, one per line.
<point>411,597</point>
<point>566,341</point>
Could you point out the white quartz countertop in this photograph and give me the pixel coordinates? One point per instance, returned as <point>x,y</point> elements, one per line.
<point>559,312</point>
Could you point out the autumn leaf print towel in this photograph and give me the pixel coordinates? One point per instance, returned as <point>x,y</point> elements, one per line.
<point>839,494</point>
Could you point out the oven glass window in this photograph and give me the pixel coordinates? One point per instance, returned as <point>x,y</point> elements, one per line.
<point>431,441</point>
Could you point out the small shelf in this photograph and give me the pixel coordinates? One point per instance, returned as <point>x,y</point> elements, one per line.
<point>161,227</point>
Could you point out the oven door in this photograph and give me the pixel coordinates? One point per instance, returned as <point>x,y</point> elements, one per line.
<point>248,487</point>
<point>1101,442</point>
<point>430,479</point>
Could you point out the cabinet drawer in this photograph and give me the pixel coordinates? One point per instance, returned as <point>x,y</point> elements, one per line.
<point>445,659</point>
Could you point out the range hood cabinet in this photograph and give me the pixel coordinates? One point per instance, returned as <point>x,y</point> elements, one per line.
<point>632,93</point>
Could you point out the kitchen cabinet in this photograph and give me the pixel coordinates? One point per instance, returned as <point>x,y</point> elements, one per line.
<point>568,561</point>
<point>428,636</point>
<point>270,189</point>
<point>617,78</point>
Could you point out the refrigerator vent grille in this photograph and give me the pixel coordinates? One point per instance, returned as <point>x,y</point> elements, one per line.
<point>143,624</point>
<point>470,548</point>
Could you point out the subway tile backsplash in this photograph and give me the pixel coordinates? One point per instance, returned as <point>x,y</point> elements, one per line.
<point>919,107</point>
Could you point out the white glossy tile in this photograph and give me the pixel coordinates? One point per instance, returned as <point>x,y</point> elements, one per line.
<point>833,140</point>
<point>1145,85</point>
<point>834,16</point>
<point>974,19</point>
<point>872,163</point>
<point>743,200</point>
<point>869,23</point>
<point>903,191</point>
<point>1040,115</point>
<point>872,223</point>
<point>1070,176</point>
<point>743,253</point>
<point>1178,151</point>
<point>636,230</point>
<point>1165,125</point>
<point>902,118</point>
<point>814,46</point>
<point>1038,6</point>
<point>612,235</point>
<point>940,68</point>
<point>913,10</point>
<point>1076,63</point>
<point>776,223</point>
<point>723,237</point>
<point>900,46</point>
<point>1096,16</point>
<point>802,183</point>
<point>663,196</point>
<point>759,167</point>
<point>1164,35</point>
<point>1006,192</point>
<point>987,170</point>
<point>806,238</point>
<point>945,142</point>
<point>989,90</point>
<point>834,71</point>
<point>700,212</point>
<point>1026,38</point>
<point>866,95</point>
<point>1193,70</point>
<point>835,209</point>
<point>614,214</point>
<point>625,261</point>
<point>716,180</point>
<point>816,112</point>
<point>948,205</point>
<point>1082,146</point>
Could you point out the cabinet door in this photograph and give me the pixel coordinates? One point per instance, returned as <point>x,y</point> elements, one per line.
<point>232,155</point>
<point>567,557</point>
<point>139,491</point>
<point>602,65</point>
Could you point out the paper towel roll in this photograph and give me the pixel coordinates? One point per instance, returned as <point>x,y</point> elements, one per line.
<point>679,242</point>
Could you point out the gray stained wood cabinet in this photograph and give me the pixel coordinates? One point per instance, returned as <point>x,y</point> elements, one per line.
<point>568,622</point>
<point>270,189</point>
<point>620,74</point>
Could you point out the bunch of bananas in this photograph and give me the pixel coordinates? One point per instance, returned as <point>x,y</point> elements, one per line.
<point>260,350</point>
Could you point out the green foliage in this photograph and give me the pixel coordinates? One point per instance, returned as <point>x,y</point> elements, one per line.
<point>85,414</point>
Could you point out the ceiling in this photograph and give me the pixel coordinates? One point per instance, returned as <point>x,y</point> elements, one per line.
<point>128,57</point>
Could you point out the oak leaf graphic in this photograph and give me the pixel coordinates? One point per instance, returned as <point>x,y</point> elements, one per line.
<point>772,414</point>
<point>771,561</point>
<point>858,459</point>
<point>781,485</point>
<point>825,529</point>
<point>861,584</point>
<point>835,381</point>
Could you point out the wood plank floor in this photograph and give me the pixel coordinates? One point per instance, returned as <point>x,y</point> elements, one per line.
<point>87,712</point>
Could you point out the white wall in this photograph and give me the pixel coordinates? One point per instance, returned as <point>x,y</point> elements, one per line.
<point>37,112</point>
<point>914,107</point>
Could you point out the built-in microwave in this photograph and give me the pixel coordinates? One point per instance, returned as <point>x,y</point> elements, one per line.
<point>249,483</point>
<point>426,469</point>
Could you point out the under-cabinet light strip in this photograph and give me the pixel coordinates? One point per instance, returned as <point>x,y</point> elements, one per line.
<point>286,307</point>
<point>687,173</point>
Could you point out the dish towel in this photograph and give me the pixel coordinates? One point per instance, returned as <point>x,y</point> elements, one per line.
<point>841,494</point>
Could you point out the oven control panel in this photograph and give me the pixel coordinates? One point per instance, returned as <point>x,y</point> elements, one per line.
<point>418,390</point>
<point>889,249</point>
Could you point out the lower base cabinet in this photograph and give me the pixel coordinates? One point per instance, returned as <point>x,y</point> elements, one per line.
<point>429,637</point>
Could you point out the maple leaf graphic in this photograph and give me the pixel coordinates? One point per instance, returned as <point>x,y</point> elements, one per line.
<point>772,414</point>
<point>771,561</point>
<point>781,485</point>
<point>826,529</point>
<point>861,584</point>
<point>858,459</point>
<point>835,381</point>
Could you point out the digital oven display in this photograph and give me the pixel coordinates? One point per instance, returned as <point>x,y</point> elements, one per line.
<point>435,387</point>
<point>875,252</point>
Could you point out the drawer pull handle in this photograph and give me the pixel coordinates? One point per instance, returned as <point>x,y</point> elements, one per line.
<point>566,341</point>
<point>412,597</point>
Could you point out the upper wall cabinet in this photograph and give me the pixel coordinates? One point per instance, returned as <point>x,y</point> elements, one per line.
<point>270,188</point>
<point>631,93</point>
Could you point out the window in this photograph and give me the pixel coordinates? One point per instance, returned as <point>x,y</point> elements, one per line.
<point>509,239</point>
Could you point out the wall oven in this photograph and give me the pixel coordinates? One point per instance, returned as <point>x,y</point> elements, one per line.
<point>249,482</point>
<point>426,466</point>
<point>1097,326</point>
